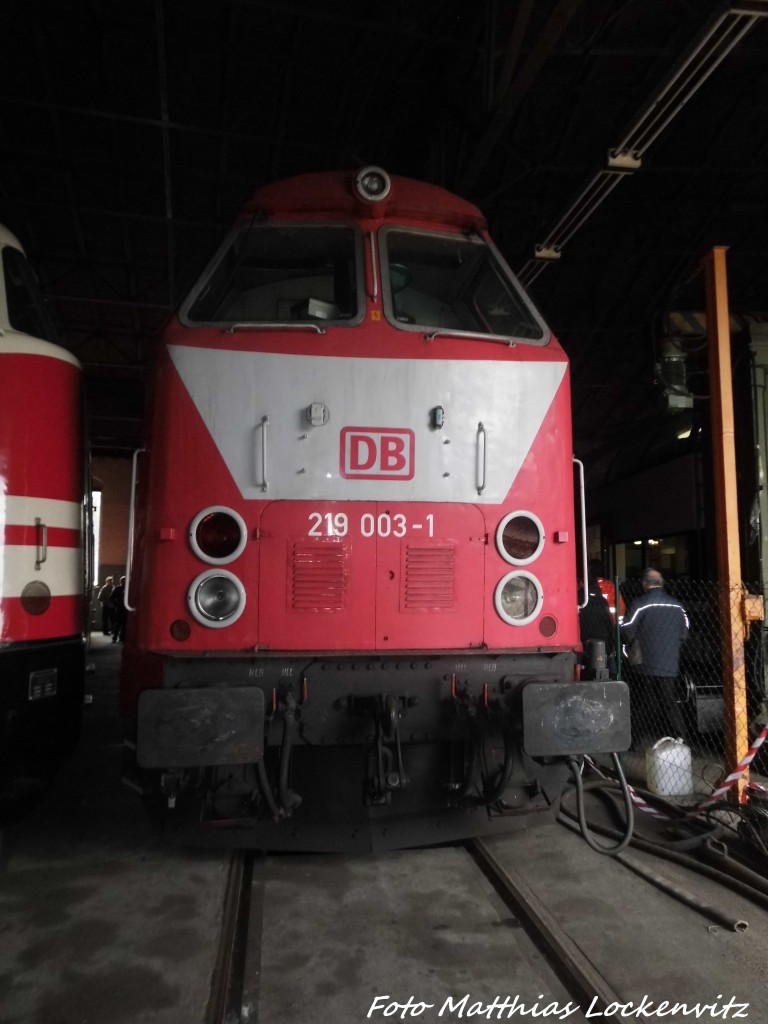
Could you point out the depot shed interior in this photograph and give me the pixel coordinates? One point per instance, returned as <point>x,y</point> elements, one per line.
<point>610,143</point>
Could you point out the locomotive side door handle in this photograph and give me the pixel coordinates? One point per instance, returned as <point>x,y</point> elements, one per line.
<point>261,472</point>
<point>41,543</point>
<point>482,453</point>
<point>131,525</point>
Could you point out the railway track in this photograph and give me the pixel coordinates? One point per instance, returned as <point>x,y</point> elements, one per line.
<point>235,983</point>
<point>584,983</point>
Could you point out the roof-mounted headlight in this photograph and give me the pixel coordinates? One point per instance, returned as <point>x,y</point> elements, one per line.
<point>372,184</point>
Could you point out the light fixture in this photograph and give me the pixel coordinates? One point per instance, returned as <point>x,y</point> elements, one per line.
<point>518,598</point>
<point>372,184</point>
<point>520,537</point>
<point>218,534</point>
<point>216,599</point>
<point>721,33</point>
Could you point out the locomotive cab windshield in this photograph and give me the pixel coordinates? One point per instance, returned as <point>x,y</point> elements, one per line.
<point>449,283</point>
<point>298,274</point>
<point>281,275</point>
<point>26,308</point>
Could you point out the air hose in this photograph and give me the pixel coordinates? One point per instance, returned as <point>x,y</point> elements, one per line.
<point>626,839</point>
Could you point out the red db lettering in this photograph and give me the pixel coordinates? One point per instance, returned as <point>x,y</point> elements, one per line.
<point>377,453</point>
<point>392,454</point>
<point>357,461</point>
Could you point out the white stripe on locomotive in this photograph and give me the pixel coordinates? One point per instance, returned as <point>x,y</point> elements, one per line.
<point>234,391</point>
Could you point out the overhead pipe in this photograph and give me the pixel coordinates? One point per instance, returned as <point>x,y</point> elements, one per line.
<point>718,38</point>
<point>721,34</point>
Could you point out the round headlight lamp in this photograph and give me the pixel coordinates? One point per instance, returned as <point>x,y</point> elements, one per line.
<point>218,534</point>
<point>372,184</point>
<point>518,598</point>
<point>520,537</point>
<point>216,599</point>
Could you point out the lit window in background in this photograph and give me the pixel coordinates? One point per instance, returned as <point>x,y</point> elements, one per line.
<point>96,509</point>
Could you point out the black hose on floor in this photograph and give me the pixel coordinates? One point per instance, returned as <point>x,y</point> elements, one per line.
<point>626,839</point>
<point>683,859</point>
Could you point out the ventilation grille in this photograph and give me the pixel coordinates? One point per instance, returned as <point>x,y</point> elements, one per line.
<point>429,576</point>
<point>319,575</point>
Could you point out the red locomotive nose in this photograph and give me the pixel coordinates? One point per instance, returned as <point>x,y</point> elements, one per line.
<point>358,480</point>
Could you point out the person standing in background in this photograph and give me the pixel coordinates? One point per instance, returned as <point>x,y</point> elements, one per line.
<point>658,623</point>
<point>105,600</point>
<point>595,622</point>
<point>118,612</point>
<point>608,590</point>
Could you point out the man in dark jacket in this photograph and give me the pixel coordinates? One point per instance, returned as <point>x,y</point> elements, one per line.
<point>595,622</point>
<point>659,624</point>
<point>118,612</point>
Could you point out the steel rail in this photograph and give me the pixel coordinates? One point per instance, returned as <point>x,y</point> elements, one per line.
<point>566,958</point>
<point>228,977</point>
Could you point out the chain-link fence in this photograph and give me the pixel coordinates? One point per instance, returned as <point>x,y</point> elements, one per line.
<point>691,713</point>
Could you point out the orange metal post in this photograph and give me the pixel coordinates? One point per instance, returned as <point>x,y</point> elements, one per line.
<point>726,508</point>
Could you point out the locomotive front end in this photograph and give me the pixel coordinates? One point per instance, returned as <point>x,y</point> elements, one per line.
<point>353,588</point>
<point>44,520</point>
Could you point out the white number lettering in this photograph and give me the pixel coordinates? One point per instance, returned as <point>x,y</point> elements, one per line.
<point>366,524</point>
<point>336,524</point>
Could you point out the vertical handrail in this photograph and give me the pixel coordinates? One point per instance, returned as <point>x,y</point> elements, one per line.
<point>263,427</point>
<point>374,270</point>
<point>617,623</point>
<point>41,547</point>
<point>583,510</point>
<point>131,516</point>
<point>482,450</point>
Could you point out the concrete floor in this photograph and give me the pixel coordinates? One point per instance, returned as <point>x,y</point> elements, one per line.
<point>641,939</point>
<point>425,925</point>
<point>100,924</point>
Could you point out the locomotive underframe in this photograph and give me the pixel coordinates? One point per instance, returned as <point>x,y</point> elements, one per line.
<point>360,752</point>
<point>41,702</point>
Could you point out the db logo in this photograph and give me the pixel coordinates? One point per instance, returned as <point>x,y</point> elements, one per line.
<point>377,453</point>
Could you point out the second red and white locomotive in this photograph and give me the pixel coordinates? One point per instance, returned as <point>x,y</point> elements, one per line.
<point>44,532</point>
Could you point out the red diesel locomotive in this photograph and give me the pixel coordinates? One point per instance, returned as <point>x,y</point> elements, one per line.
<point>44,517</point>
<point>352,598</point>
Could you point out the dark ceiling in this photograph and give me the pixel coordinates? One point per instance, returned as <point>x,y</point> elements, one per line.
<point>131,131</point>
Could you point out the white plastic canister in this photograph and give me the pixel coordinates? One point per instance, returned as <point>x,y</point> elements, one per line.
<point>668,767</point>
